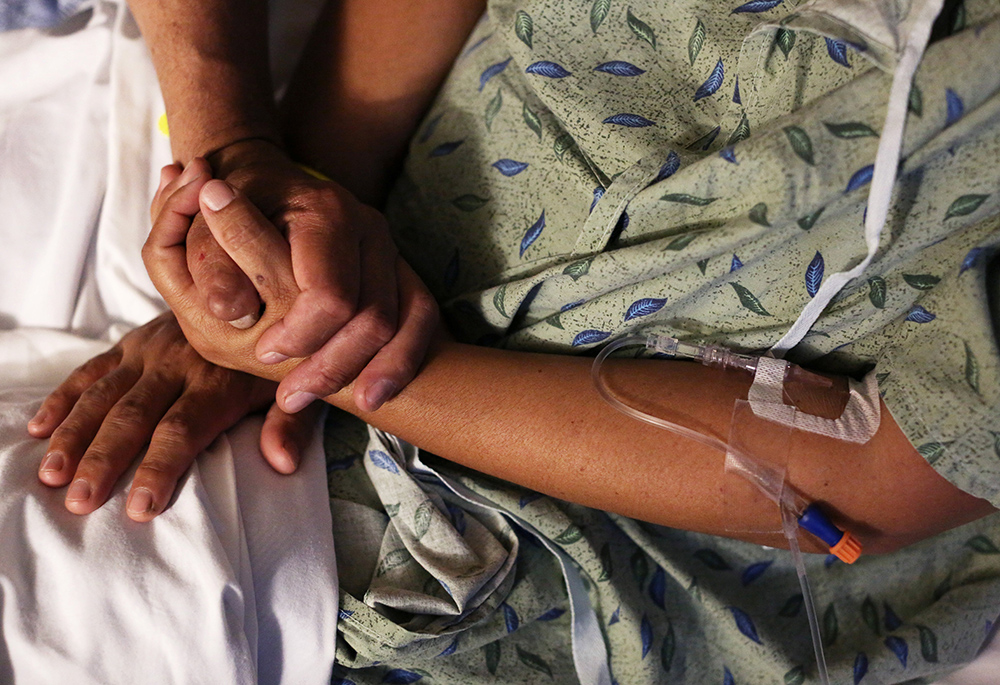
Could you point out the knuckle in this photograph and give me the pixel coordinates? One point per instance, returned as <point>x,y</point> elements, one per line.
<point>130,412</point>
<point>97,459</point>
<point>176,430</point>
<point>377,327</point>
<point>326,378</point>
<point>161,468</point>
<point>104,392</point>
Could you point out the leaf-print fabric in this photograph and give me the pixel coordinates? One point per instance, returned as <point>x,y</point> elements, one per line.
<point>737,139</point>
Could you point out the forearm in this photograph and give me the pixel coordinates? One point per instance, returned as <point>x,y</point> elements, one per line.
<point>368,74</point>
<point>537,421</point>
<point>211,59</point>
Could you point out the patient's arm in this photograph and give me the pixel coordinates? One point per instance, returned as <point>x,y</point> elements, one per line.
<point>152,387</point>
<point>536,420</point>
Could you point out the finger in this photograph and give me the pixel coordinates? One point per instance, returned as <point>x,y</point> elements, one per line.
<point>75,433</point>
<point>126,428</point>
<point>249,239</point>
<point>325,261</point>
<point>57,406</point>
<point>167,175</point>
<point>196,419</point>
<point>285,437</point>
<point>398,362</point>
<point>225,290</point>
<point>164,253</point>
<point>341,359</point>
<point>178,177</point>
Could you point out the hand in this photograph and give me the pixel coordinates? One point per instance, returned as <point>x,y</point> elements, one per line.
<point>344,265</point>
<point>260,251</point>
<point>152,387</point>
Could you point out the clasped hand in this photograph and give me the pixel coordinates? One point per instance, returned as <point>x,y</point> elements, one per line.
<point>178,392</point>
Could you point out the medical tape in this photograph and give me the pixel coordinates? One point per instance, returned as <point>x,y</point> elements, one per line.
<point>857,423</point>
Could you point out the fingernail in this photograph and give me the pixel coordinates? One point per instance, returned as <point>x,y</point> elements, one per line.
<point>245,322</point>
<point>38,418</point>
<point>379,393</point>
<point>275,358</point>
<point>79,491</point>
<point>298,401</point>
<point>140,501</point>
<point>217,194</point>
<point>53,462</point>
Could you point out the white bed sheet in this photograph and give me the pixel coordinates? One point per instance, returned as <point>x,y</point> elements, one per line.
<point>236,582</point>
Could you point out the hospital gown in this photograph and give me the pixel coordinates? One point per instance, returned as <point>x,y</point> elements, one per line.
<point>698,168</point>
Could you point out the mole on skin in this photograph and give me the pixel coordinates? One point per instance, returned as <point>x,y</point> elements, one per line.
<point>260,279</point>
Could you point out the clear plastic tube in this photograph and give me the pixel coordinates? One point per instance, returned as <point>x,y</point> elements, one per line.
<point>791,504</point>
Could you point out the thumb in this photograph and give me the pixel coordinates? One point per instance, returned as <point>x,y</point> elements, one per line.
<point>249,239</point>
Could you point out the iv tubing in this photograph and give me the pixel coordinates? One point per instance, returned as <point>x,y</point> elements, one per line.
<point>790,503</point>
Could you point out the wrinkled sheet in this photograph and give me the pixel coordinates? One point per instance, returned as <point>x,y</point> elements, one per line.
<point>236,581</point>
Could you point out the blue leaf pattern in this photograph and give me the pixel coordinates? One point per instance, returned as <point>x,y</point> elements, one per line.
<point>735,264</point>
<point>920,315</point>
<point>837,49</point>
<point>754,571</point>
<point>528,498</point>
<point>571,305</point>
<point>547,69</point>
<point>727,676</point>
<point>445,149</point>
<point>736,92</point>
<point>644,307</point>
<point>712,84</point>
<point>619,68</point>
<point>629,120</point>
<point>861,177</point>
<point>429,129</point>
<point>472,48</point>
<point>383,461</point>
<point>340,464</point>
<point>728,154</point>
<point>614,617</point>
<point>757,6</point>
<point>898,646</point>
<point>892,621</point>
<point>970,259</point>
<point>745,624</point>
<point>860,667</point>
<point>956,108</point>
<point>589,337</point>
<point>492,71</point>
<point>509,167</point>
<point>457,517</point>
<point>450,649</point>
<point>531,235</point>
<point>658,587</point>
<point>510,617</point>
<point>669,167</point>
<point>551,615</point>
<point>814,275</point>
<point>344,614</point>
<point>598,194</point>
<point>399,676</point>
<point>646,633</point>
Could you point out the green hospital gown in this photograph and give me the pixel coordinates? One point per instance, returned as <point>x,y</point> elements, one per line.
<point>695,168</point>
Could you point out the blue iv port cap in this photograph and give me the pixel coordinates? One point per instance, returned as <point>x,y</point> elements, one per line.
<point>815,521</point>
